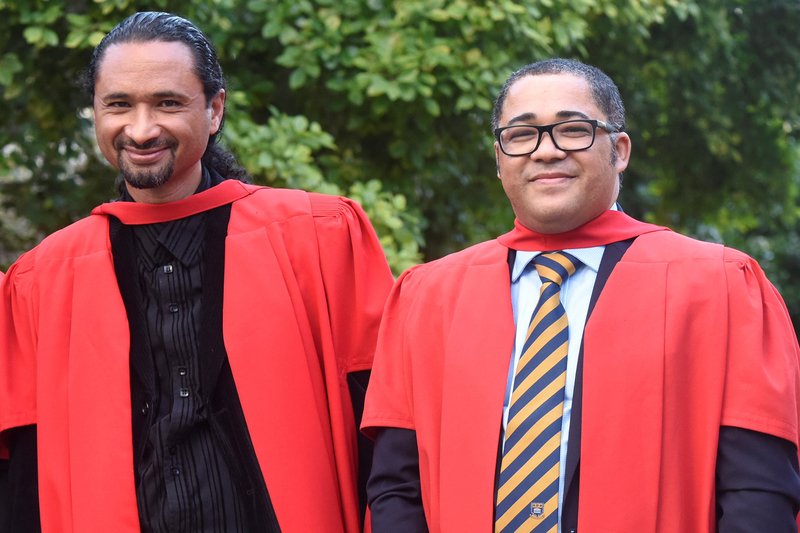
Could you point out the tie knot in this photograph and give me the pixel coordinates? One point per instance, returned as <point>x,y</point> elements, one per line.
<point>556,267</point>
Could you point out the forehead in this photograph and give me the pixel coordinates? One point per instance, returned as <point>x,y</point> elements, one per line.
<point>152,65</point>
<point>549,98</point>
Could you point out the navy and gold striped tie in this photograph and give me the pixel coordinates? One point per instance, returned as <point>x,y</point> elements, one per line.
<point>527,495</point>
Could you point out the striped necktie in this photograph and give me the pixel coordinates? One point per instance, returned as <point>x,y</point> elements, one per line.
<point>527,495</point>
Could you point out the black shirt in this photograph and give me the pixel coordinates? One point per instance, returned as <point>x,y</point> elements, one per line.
<point>183,480</point>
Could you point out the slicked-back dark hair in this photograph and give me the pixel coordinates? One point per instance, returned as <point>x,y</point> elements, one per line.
<point>604,91</point>
<point>149,26</point>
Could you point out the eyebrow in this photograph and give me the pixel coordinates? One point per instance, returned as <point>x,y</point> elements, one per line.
<point>563,115</point>
<point>126,96</point>
<point>169,94</point>
<point>115,96</point>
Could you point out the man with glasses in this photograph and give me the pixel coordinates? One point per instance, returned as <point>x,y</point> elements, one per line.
<point>586,371</point>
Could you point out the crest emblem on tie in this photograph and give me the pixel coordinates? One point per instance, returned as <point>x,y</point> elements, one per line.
<point>537,510</point>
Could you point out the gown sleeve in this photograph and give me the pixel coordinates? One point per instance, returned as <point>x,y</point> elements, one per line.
<point>18,345</point>
<point>762,383</point>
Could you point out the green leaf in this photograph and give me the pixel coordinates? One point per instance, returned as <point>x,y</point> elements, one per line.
<point>6,76</point>
<point>465,102</point>
<point>49,37</point>
<point>257,6</point>
<point>75,38</point>
<point>79,21</point>
<point>33,34</point>
<point>432,107</point>
<point>51,14</point>
<point>11,63</point>
<point>95,37</point>
<point>333,22</point>
<point>438,15</point>
<point>297,78</point>
<point>271,29</point>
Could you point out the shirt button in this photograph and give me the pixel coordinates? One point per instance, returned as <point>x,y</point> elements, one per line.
<point>145,408</point>
<point>167,269</point>
<point>176,471</point>
<point>184,393</point>
<point>181,370</point>
<point>173,450</point>
<point>173,308</point>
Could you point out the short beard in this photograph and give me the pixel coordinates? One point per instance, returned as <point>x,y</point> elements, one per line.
<point>148,179</point>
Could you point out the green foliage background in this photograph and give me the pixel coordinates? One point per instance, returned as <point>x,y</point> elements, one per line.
<point>388,102</point>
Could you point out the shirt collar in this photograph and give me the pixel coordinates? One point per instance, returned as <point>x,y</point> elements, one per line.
<point>182,237</point>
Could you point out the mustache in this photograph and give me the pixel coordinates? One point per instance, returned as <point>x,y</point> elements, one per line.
<point>120,143</point>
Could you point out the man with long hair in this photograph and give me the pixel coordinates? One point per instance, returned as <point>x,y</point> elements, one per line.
<point>187,358</point>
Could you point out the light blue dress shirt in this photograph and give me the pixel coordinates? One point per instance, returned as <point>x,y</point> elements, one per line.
<point>575,295</point>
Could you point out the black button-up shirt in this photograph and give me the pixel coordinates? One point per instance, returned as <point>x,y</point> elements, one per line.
<point>184,482</point>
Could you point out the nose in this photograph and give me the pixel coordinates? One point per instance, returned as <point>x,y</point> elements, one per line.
<point>143,126</point>
<point>547,150</point>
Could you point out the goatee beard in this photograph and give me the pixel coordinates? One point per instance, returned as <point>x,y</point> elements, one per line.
<point>145,179</point>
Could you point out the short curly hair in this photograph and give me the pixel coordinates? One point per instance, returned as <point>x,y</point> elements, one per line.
<point>604,91</point>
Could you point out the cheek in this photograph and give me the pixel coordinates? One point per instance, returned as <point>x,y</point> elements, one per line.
<point>516,193</point>
<point>603,189</point>
<point>105,140</point>
<point>193,131</point>
<point>508,169</point>
<point>106,130</point>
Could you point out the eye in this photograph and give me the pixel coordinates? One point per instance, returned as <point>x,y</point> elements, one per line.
<point>118,104</point>
<point>521,134</point>
<point>575,130</point>
<point>170,103</point>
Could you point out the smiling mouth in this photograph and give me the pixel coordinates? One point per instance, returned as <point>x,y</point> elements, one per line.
<point>145,154</point>
<point>551,178</point>
<point>145,157</point>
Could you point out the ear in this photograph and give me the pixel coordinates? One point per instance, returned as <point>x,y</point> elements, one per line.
<point>217,107</point>
<point>497,158</point>
<point>623,145</point>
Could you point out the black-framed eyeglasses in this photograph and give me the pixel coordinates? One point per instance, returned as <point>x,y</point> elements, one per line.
<point>568,136</point>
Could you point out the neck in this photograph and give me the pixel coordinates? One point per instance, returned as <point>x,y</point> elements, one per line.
<point>611,226</point>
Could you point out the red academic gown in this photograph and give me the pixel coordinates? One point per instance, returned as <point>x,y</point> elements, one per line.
<point>305,283</point>
<point>685,337</point>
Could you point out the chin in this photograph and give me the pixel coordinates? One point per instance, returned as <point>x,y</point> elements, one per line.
<point>553,225</point>
<point>150,178</point>
<point>147,180</point>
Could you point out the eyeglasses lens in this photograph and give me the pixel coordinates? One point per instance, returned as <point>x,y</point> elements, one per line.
<point>573,135</point>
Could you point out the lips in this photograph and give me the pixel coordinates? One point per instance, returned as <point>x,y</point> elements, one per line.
<point>551,178</point>
<point>145,154</point>
<point>145,157</point>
